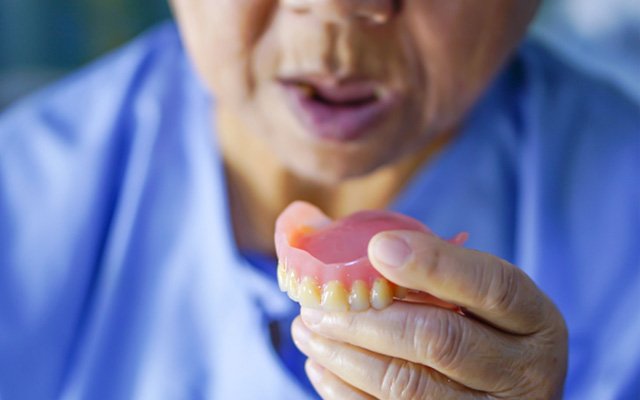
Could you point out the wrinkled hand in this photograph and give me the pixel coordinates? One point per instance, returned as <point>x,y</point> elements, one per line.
<point>510,344</point>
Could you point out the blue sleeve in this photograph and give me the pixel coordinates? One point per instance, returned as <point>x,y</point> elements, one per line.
<point>63,156</point>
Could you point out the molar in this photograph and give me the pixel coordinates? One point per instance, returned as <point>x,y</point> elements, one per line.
<point>309,293</point>
<point>335,297</point>
<point>381,294</point>
<point>359,296</point>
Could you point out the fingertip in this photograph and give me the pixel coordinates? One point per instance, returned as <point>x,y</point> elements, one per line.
<point>299,332</point>
<point>390,250</point>
<point>311,316</point>
<point>407,261</point>
<point>313,370</point>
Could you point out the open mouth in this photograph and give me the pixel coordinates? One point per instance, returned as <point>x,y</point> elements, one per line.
<point>345,96</point>
<point>337,111</point>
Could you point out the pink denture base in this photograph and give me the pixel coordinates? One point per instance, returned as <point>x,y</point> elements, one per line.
<point>313,245</point>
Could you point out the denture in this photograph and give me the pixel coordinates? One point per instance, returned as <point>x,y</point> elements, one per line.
<point>323,264</point>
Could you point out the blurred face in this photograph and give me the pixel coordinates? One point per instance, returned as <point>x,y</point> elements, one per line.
<point>339,88</point>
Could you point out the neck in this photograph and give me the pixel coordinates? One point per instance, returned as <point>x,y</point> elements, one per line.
<point>260,187</point>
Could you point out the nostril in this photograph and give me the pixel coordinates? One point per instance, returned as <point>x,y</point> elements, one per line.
<point>298,6</point>
<point>299,10</point>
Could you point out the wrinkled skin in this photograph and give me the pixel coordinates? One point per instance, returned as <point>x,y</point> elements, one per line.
<point>436,56</point>
<point>511,344</point>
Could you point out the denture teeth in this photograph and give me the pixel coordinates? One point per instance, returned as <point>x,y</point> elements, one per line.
<point>381,294</point>
<point>309,293</point>
<point>282,277</point>
<point>292,285</point>
<point>335,297</point>
<point>359,296</point>
<point>400,292</point>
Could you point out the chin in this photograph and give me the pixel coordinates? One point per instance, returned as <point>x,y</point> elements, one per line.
<point>330,167</point>
<point>330,161</point>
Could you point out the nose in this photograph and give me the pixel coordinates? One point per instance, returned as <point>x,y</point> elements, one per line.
<point>372,11</point>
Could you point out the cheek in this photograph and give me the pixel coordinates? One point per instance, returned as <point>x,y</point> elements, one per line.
<point>220,36</point>
<point>461,45</point>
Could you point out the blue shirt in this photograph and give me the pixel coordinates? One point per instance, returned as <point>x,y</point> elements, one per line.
<point>119,277</point>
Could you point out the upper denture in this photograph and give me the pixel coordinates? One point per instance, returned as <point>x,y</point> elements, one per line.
<point>324,263</point>
<point>313,245</point>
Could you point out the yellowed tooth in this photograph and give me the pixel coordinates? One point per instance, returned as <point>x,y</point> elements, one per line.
<point>359,296</point>
<point>335,297</point>
<point>381,294</point>
<point>379,93</point>
<point>400,292</point>
<point>307,90</point>
<point>292,285</point>
<point>282,277</point>
<point>309,293</point>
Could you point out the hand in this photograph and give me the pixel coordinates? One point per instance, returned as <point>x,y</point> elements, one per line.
<point>510,344</point>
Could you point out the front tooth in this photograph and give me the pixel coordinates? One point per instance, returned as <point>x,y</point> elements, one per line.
<point>309,293</point>
<point>400,292</point>
<point>381,294</point>
<point>335,297</point>
<point>292,285</point>
<point>282,277</point>
<point>359,296</point>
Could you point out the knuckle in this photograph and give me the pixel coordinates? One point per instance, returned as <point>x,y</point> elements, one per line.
<point>446,343</point>
<point>502,290</point>
<point>536,383</point>
<point>404,380</point>
<point>541,370</point>
<point>439,340</point>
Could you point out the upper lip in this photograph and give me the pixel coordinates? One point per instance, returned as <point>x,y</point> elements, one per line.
<point>340,92</point>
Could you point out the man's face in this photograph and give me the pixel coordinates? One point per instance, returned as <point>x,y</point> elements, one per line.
<point>340,87</point>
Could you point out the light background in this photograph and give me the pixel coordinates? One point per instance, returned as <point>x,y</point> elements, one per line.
<point>41,40</point>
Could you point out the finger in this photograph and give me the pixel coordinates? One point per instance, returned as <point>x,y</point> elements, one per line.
<point>329,386</point>
<point>381,376</point>
<point>465,350</point>
<point>487,286</point>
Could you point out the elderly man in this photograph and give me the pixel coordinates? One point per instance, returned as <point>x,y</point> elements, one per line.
<point>138,197</point>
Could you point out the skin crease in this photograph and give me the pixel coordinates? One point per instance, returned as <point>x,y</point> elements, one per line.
<point>435,57</point>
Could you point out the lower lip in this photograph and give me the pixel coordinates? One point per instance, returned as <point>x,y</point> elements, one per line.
<point>338,123</point>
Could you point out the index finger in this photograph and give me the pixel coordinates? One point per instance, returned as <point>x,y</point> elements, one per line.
<point>487,286</point>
